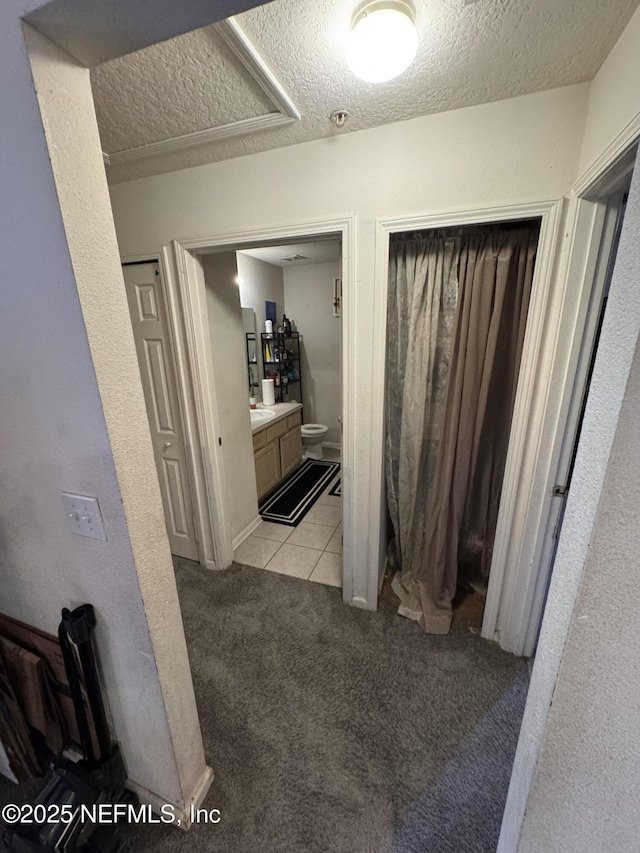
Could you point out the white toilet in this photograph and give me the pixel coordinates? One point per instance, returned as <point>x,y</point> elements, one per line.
<point>312,438</point>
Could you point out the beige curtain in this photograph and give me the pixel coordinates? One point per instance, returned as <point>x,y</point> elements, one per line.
<point>457,312</point>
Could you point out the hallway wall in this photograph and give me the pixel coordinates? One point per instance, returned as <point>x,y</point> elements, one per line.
<point>73,419</point>
<point>613,95</point>
<point>524,150</point>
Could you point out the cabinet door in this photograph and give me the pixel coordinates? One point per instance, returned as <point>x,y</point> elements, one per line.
<point>267,468</point>
<point>290,450</point>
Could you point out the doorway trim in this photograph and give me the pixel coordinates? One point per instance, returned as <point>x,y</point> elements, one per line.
<point>186,282</point>
<point>521,489</point>
<point>580,279</point>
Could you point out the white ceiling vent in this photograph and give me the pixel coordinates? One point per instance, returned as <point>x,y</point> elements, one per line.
<point>295,258</point>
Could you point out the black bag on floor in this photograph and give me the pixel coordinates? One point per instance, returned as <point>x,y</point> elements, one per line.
<point>73,791</point>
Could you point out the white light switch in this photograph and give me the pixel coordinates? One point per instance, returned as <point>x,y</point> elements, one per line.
<point>83,516</point>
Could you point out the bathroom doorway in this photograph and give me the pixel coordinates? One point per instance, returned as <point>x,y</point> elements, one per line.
<point>289,297</point>
<point>272,310</point>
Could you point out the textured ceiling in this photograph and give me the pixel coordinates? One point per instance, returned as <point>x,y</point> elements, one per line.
<point>317,252</point>
<point>486,51</point>
<point>180,86</point>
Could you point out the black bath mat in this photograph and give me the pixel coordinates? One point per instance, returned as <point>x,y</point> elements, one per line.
<point>292,500</point>
<point>336,489</point>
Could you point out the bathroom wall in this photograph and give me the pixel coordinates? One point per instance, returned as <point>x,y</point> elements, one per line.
<point>308,299</point>
<point>260,281</point>
<point>232,387</point>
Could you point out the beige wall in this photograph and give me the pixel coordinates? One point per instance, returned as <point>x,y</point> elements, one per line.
<point>232,388</point>
<point>515,151</point>
<point>261,281</point>
<point>72,418</point>
<point>308,298</point>
<point>613,95</point>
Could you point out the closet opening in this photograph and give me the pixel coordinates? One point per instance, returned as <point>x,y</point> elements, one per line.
<point>457,307</point>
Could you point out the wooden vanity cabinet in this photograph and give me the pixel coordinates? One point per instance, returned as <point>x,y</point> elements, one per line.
<point>277,451</point>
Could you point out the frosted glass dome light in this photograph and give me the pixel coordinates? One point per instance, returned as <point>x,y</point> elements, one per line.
<point>383,41</point>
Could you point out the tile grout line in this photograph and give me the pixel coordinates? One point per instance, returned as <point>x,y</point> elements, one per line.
<point>333,527</point>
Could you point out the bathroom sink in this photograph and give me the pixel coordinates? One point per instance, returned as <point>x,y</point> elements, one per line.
<point>258,416</point>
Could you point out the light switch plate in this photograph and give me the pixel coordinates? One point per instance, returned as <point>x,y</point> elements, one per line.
<point>83,516</point>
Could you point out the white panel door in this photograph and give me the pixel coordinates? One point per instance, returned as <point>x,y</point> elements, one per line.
<point>150,330</point>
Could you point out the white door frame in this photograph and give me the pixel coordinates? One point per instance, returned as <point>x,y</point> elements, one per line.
<point>596,221</point>
<point>516,615</point>
<point>186,285</point>
<point>522,490</point>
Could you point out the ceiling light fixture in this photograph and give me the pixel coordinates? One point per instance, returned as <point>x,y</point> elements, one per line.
<point>383,41</point>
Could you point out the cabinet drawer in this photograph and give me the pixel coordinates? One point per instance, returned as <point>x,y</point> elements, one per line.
<point>276,430</point>
<point>293,420</point>
<point>259,440</point>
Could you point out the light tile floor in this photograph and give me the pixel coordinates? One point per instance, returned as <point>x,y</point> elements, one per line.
<point>312,550</point>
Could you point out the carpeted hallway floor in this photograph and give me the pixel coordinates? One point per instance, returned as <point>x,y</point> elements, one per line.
<point>336,730</point>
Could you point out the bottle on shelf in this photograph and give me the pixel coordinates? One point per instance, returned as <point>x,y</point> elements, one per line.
<point>281,359</point>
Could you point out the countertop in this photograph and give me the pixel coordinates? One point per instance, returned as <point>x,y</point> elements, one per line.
<point>281,411</point>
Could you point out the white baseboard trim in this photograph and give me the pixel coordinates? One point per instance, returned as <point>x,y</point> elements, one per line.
<point>332,445</point>
<point>239,539</point>
<point>199,793</point>
<point>182,817</point>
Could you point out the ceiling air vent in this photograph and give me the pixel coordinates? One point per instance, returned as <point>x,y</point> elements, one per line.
<point>296,258</point>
